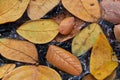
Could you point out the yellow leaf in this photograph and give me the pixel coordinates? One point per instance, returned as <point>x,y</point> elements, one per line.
<point>11,10</point>
<point>111,76</point>
<point>17,50</point>
<point>32,73</point>
<point>87,10</point>
<point>38,8</point>
<point>63,60</point>
<point>39,31</point>
<point>85,39</point>
<point>101,63</point>
<point>5,69</point>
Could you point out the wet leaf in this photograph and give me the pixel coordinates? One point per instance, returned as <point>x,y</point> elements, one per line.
<point>18,50</point>
<point>5,69</point>
<point>85,39</point>
<point>64,60</point>
<point>11,10</point>
<point>33,73</point>
<point>75,31</point>
<point>88,77</point>
<point>86,10</point>
<point>101,63</point>
<point>111,10</point>
<point>39,31</point>
<point>117,32</point>
<point>112,76</point>
<point>39,8</point>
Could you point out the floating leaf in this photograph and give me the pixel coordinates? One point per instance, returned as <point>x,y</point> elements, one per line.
<point>101,63</point>
<point>38,8</point>
<point>85,39</point>
<point>33,73</point>
<point>39,31</point>
<point>11,10</point>
<point>83,9</point>
<point>17,50</point>
<point>64,60</point>
<point>5,69</point>
<point>75,31</point>
<point>111,10</point>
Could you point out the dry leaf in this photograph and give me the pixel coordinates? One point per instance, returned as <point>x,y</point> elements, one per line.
<point>39,31</point>
<point>5,69</point>
<point>87,10</point>
<point>39,8</point>
<point>85,39</point>
<point>111,10</point>
<point>33,73</point>
<point>101,63</point>
<point>64,60</point>
<point>112,76</point>
<point>88,77</point>
<point>11,10</point>
<point>75,31</point>
<point>17,50</point>
<point>117,32</point>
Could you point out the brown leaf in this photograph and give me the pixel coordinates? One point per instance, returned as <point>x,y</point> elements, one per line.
<point>87,10</point>
<point>117,32</point>
<point>64,60</point>
<point>5,69</point>
<point>39,31</point>
<point>111,10</point>
<point>75,31</point>
<point>17,50</point>
<point>88,77</point>
<point>32,73</point>
<point>11,10</point>
<point>38,8</point>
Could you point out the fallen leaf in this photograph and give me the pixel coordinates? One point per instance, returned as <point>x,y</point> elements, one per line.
<point>63,60</point>
<point>112,76</point>
<point>86,10</point>
<point>88,77</point>
<point>5,69</point>
<point>111,10</point>
<point>11,10</point>
<point>39,31</point>
<point>117,32</point>
<point>32,73</point>
<point>85,39</point>
<point>101,63</point>
<point>18,50</point>
<point>39,8</point>
<point>75,31</point>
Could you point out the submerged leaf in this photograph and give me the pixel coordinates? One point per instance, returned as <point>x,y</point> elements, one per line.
<point>39,31</point>
<point>17,50</point>
<point>33,73</point>
<point>101,63</point>
<point>5,69</point>
<point>64,60</point>
<point>38,8</point>
<point>87,10</point>
<point>11,10</point>
<point>85,39</point>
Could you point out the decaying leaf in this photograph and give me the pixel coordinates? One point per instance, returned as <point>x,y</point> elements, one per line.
<point>101,63</point>
<point>11,10</point>
<point>32,73</point>
<point>85,39</point>
<point>117,32</point>
<point>76,29</point>
<point>111,10</point>
<point>5,69</point>
<point>39,31</point>
<point>38,8</point>
<point>88,77</point>
<point>17,50</point>
<point>87,10</point>
<point>64,60</point>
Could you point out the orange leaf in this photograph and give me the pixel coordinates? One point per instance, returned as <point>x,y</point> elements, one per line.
<point>17,50</point>
<point>32,73</point>
<point>64,60</point>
